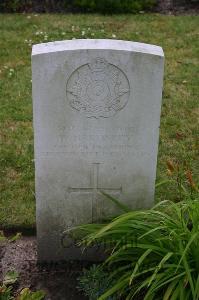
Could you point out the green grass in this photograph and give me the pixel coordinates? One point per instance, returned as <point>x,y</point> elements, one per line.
<point>177,35</point>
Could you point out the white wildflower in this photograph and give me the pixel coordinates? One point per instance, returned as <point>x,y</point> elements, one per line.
<point>83,32</point>
<point>113,36</point>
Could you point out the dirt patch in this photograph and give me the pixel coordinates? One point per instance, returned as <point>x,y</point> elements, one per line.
<point>59,281</point>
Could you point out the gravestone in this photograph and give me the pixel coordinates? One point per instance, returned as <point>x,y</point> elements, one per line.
<point>96,127</point>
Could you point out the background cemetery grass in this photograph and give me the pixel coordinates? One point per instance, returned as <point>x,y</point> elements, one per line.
<point>178,37</point>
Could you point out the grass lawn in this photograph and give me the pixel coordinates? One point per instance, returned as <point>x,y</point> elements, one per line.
<point>176,34</point>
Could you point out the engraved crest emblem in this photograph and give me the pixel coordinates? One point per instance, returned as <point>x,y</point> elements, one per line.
<point>98,89</point>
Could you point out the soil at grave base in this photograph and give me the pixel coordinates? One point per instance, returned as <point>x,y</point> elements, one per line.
<point>59,281</point>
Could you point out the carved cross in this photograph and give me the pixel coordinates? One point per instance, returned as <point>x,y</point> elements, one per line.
<point>94,187</point>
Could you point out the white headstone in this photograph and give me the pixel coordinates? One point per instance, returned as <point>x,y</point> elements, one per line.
<point>96,123</point>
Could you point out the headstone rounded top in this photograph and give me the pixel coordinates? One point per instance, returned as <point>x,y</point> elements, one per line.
<point>86,44</point>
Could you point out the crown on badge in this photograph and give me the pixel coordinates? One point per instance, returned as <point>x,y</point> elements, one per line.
<point>98,64</point>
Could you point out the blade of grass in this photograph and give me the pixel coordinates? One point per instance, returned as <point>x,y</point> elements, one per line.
<point>123,207</point>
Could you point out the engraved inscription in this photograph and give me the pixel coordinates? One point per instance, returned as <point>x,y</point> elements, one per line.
<point>95,141</point>
<point>94,189</point>
<point>98,89</point>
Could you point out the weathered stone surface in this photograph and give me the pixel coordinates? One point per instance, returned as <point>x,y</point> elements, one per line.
<point>96,124</point>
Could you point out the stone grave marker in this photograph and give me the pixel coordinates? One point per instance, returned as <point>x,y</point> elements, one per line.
<point>96,116</point>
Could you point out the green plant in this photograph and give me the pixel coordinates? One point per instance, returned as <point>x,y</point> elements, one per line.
<point>181,178</point>
<point>6,293</point>
<point>13,238</point>
<point>113,6</point>
<point>10,278</point>
<point>154,251</point>
<point>6,289</point>
<point>11,5</point>
<point>94,282</point>
<point>104,6</point>
<point>26,294</point>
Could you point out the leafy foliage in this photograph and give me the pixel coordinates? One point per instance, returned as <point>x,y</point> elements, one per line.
<point>26,294</point>
<point>114,6</point>
<point>6,290</point>
<point>6,293</point>
<point>10,278</point>
<point>10,239</point>
<point>16,237</point>
<point>181,179</point>
<point>94,282</point>
<point>102,6</point>
<point>155,251</point>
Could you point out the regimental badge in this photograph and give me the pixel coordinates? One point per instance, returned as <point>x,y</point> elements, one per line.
<point>98,89</point>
